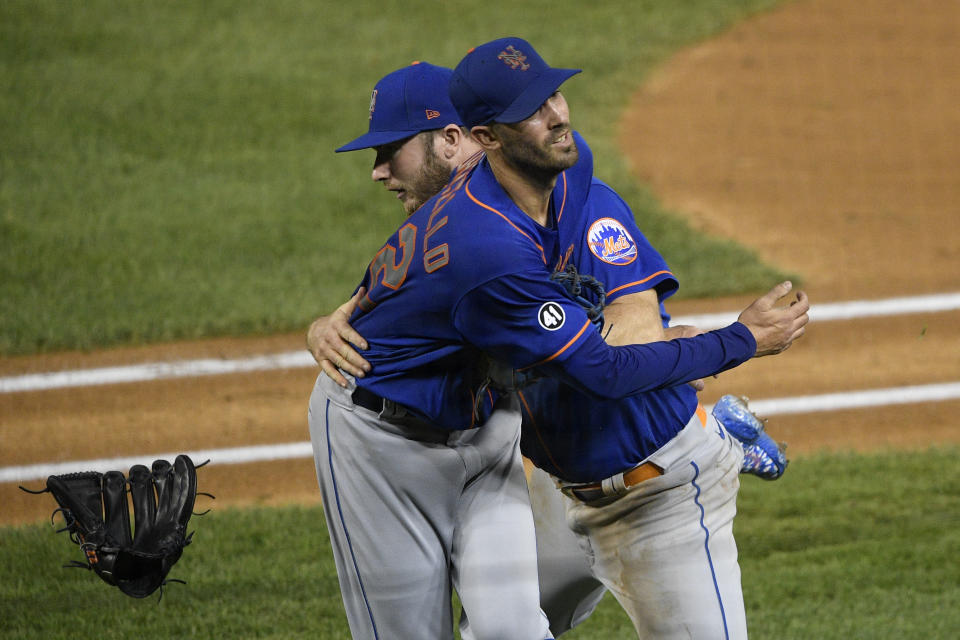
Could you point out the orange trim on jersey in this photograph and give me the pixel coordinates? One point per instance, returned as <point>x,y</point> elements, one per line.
<point>632,284</point>
<point>438,256</point>
<point>562,263</point>
<point>564,348</point>
<point>473,403</point>
<point>564,201</point>
<point>489,208</point>
<point>702,414</point>
<point>536,430</point>
<point>461,174</point>
<point>366,303</point>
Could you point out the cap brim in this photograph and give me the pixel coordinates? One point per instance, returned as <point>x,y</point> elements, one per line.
<point>535,95</point>
<point>375,139</point>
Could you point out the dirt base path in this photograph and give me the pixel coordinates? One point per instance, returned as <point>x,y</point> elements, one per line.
<point>824,134</point>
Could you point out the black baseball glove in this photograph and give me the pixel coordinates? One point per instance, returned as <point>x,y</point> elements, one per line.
<point>586,290</point>
<point>95,508</point>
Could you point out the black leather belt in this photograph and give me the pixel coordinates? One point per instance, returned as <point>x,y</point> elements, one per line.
<point>367,399</point>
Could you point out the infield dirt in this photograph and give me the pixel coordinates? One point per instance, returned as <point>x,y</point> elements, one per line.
<point>825,135</point>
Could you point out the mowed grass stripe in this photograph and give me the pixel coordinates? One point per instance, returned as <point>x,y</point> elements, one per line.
<point>168,168</point>
<point>843,546</point>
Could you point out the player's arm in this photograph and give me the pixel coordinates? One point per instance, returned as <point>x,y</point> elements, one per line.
<point>681,331</point>
<point>636,277</point>
<point>762,329</point>
<point>634,318</point>
<point>333,342</point>
<point>505,319</point>
<point>617,372</point>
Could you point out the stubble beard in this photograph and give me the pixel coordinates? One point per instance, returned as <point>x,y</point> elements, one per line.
<point>542,162</point>
<point>432,177</point>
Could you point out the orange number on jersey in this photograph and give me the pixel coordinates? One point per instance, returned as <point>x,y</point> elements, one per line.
<point>439,256</point>
<point>384,264</point>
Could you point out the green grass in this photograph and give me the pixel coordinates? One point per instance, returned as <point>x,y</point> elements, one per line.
<point>844,546</point>
<point>167,169</point>
<point>855,547</point>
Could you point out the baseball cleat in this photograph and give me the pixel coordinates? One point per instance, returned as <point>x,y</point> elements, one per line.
<point>762,456</point>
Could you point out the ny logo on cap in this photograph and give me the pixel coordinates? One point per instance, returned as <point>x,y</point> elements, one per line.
<point>514,59</point>
<point>373,103</point>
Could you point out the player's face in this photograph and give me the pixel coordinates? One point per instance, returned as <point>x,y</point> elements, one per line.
<point>411,169</point>
<point>543,143</point>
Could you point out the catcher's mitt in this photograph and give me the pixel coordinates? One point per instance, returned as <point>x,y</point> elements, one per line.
<point>95,509</point>
<point>586,290</point>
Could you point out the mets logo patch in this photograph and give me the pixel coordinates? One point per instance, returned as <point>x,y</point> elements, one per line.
<point>551,316</point>
<point>611,242</point>
<point>514,58</point>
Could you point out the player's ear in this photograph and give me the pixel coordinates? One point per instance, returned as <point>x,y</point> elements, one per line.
<point>450,138</point>
<point>485,137</point>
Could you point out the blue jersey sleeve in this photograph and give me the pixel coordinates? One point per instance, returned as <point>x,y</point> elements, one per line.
<point>521,318</point>
<point>620,255</point>
<point>528,322</point>
<point>618,372</point>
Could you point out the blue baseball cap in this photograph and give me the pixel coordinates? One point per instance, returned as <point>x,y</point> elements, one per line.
<point>505,80</point>
<point>406,102</point>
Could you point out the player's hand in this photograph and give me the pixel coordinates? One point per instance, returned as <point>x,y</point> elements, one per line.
<point>331,341</point>
<point>775,328</point>
<point>686,331</point>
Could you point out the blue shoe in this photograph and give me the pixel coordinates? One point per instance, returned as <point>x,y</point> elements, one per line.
<point>762,456</point>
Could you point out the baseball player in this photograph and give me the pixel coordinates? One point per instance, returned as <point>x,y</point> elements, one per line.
<point>568,589</point>
<point>652,492</point>
<point>415,496</point>
<point>414,169</point>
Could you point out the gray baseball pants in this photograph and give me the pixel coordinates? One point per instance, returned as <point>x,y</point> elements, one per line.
<point>414,511</point>
<point>665,547</point>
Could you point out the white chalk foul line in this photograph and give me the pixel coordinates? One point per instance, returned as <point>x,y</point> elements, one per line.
<point>236,455</point>
<point>302,359</point>
<point>154,371</point>
<point>262,453</point>
<point>857,399</point>
<point>844,310</point>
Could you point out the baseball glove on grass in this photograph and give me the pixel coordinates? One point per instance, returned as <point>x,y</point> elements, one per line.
<point>95,508</point>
